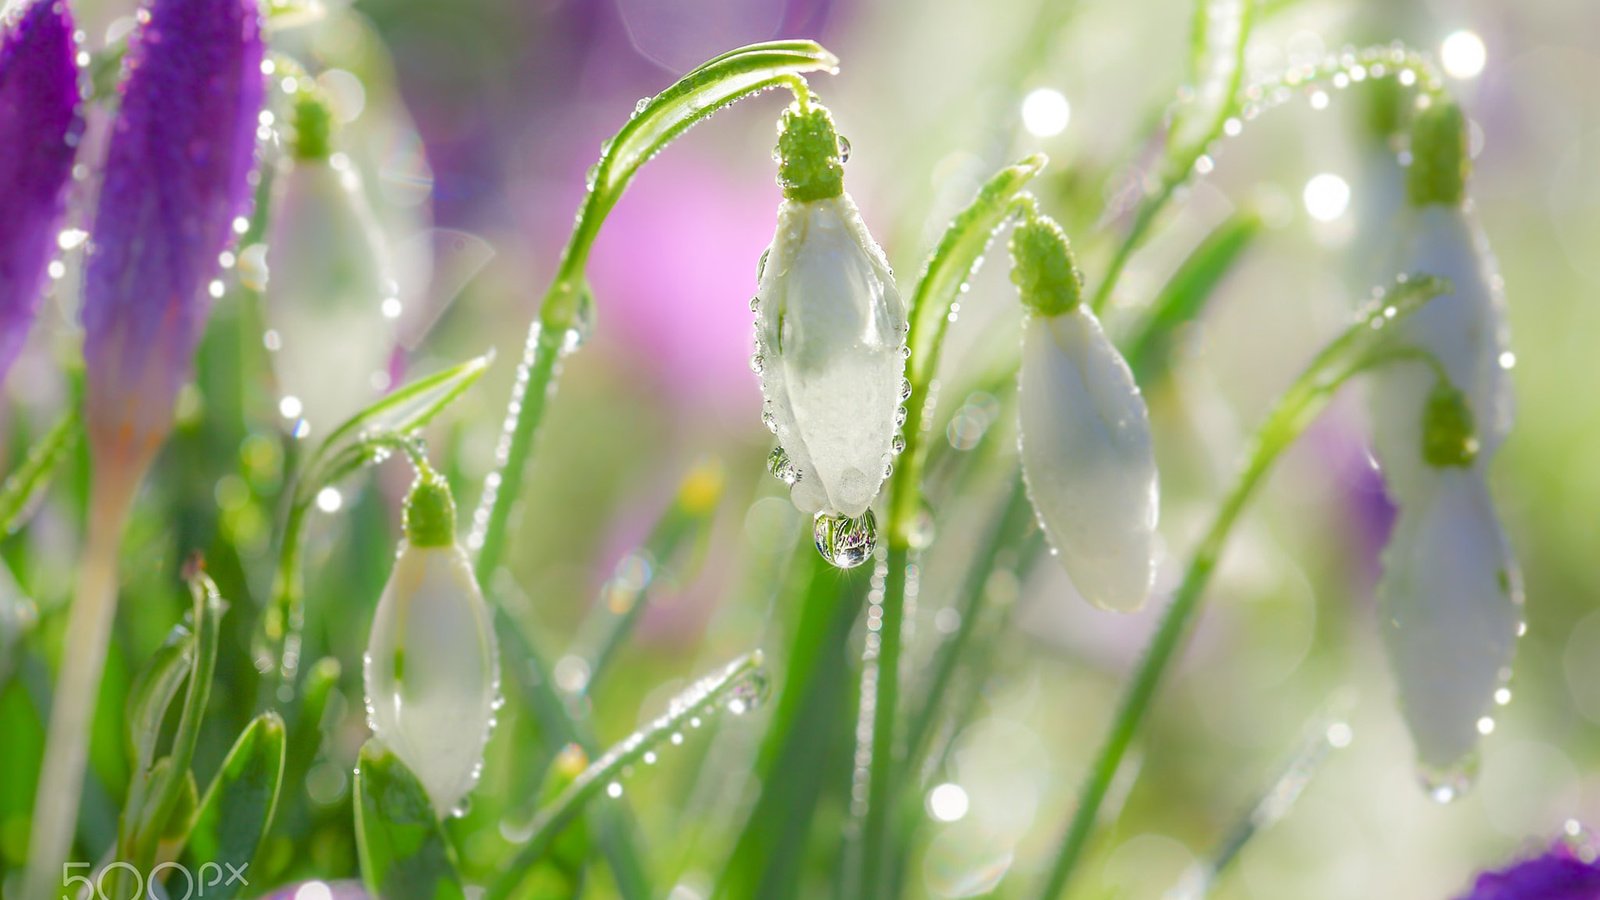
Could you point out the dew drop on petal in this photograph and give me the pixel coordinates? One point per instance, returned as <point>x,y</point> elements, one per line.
<point>782,467</point>
<point>845,542</point>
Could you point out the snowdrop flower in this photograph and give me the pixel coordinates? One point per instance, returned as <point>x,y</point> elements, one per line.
<point>176,177</point>
<point>830,330</point>
<point>1449,603</point>
<point>1086,450</point>
<point>1451,589</point>
<point>39,129</point>
<point>432,673</point>
<point>329,275</point>
<point>1464,330</point>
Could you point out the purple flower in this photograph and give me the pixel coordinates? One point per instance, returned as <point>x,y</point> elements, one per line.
<point>1560,874</point>
<point>39,129</point>
<point>176,176</point>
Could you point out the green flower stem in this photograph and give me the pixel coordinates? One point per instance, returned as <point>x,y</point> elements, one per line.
<point>700,700</point>
<point>949,268</point>
<point>1349,354</point>
<point>717,83</point>
<point>1180,158</point>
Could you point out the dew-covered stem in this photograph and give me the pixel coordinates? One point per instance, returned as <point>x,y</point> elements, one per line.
<point>944,279</point>
<point>1350,353</point>
<point>1182,155</point>
<point>702,699</point>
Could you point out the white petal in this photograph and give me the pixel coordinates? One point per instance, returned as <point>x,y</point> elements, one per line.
<point>1088,459</point>
<point>328,275</point>
<point>830,325</point>
<point>1449,600</point>
<point>432,673</point>
<point>1465,329</point>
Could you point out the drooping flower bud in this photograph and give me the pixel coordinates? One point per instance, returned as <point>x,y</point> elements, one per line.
<point>830,330</point>
<point>1086,450</point>
<point>1463,330</point>
<point>176,177</point>
<point>1450,588</point>
<point>432,672</point>
<point>328,278</point>
<point>1449,603</point>
<point>39,130</point>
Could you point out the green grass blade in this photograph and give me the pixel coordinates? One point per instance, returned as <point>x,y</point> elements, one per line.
<point>24,486</point>
<point>402,848</point>
<point>238,807</point>
<point>1149,350</point>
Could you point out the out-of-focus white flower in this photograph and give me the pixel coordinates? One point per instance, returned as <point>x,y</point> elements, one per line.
<point>1464,330</point>
<point>329,275</point>
<point>1086,449</point>
<point>1450,590</point>
<point>830,332</point>
<point>1449,603</point>
<point>432,672</point>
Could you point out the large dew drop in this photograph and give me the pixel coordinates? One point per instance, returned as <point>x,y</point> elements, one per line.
<point>845,542</point>
<point>782,467</point>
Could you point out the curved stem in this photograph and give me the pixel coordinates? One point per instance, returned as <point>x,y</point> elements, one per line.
<point>948,269</point>
<point>1356,349</point>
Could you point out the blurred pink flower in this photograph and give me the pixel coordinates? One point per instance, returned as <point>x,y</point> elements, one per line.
<point>673,273</point>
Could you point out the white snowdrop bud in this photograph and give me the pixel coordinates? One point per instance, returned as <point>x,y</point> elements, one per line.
<point>1449,603</point>
<point>432,671</point>
<point>328,276</point>
<point>830,331</point>
<point>1086,450</point>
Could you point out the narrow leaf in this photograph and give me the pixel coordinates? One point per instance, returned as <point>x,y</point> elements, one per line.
<point>1186,294</point>
<point>402,849</point>
<point>738,686</point>
<point>239,805</point>
<point>26,485</point>
<point>401,412</point>
<point>1221,29</point>
<point>152,694</point>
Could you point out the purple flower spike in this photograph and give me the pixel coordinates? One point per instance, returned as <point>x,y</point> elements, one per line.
<point>39,130</point>
<point>176,177</point>
<point>1561,874</point>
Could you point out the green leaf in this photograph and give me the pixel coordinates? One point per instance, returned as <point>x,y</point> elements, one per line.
<point>399,413</point>
<point>239,805</point>
<point>402,848</point>
<point>24,486</point>
<point>1186,293</point>
<point>152,694</point>
<point>737,686</point>
<point>18,617</point>
<point>1221,29</point>
<point>153,799</point>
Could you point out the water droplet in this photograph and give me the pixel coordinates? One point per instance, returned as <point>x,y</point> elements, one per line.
<point>899,416</point>
<point>755,303</point>
<point>845,542</point>
<point>614,790</point>
<point>898,445</point>
<point>844,149</point>
<point>761,271</point>
<point>768,420</point>
<point>583,323</point>
<point>757,363</point>
<point>1448,785</point>
<point>642,105</point>
<point>905,389</point>
<point>782,467</point>
<point>749,694</point>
